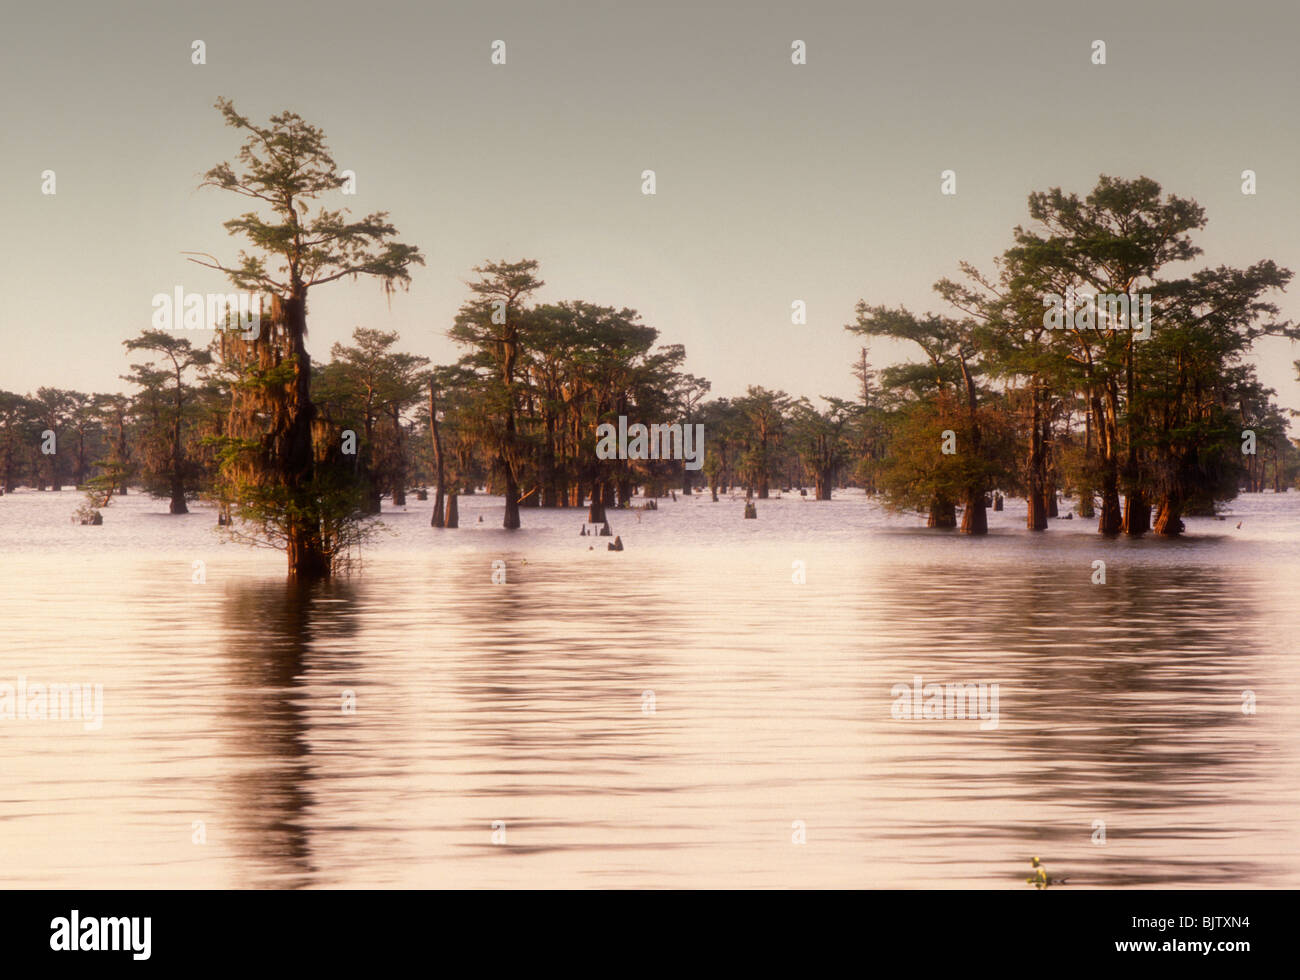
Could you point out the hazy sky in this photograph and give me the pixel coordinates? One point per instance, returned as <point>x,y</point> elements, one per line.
<point>776,182</point>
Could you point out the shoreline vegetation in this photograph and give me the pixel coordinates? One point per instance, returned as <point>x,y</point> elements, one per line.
<point>1015,391</point>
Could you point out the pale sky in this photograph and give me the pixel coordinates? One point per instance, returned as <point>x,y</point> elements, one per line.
<point>776,182</point>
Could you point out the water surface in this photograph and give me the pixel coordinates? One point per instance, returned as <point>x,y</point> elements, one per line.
<point>526,703</point>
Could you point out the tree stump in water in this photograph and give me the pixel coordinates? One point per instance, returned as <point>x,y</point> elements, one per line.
<point>616,544</point>
<point>605,531</point>
<point>422,495</point>
<point>751,512</point>
<point>997,501</point>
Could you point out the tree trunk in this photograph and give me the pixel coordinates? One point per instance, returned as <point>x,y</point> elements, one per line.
<point>1137,511</point>
<point>822,479</point>
<point>453,511</point>
<point>306,551</point>
<point>1169,518</point>
<point>943,513</point>
<point>1036,496</point>
<point>1137,514</point>
<point>178,497</point>
<point>596,512</point>
<point>1112,519</point>
<point>1036,517</point>
<point>550,491</point>
<point>440,467</point>
<point>511,520</point>
<point>306,561</point>
<point>975,517</point>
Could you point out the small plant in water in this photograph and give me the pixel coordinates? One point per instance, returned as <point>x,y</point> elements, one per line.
<point>1040,879</point>
<point>96,497</point>
<point>87,514</point>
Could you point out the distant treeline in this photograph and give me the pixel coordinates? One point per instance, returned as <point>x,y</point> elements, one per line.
<point>1018,391</point>
<point>1032,415</point>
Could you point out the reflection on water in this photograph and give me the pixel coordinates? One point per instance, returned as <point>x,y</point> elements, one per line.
<point>528,705</point>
